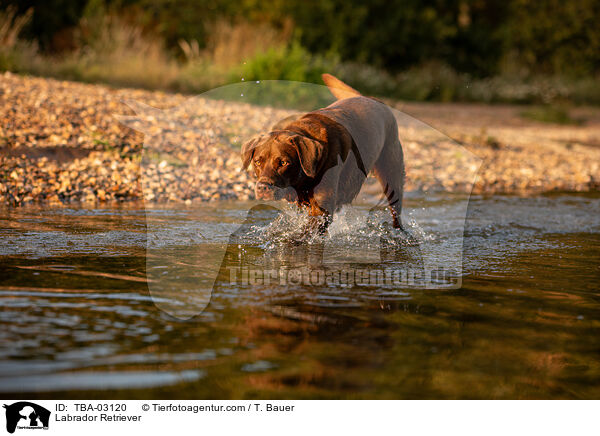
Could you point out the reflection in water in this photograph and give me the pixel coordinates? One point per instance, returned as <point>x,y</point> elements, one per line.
<point>78,319</point>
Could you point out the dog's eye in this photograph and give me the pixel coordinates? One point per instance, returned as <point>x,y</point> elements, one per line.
<point>283,163</point>
<point>258,162</point>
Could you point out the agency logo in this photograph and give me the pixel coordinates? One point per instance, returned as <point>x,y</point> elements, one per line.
<point>26,415</point>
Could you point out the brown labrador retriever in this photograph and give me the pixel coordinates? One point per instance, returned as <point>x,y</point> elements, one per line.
<point>321,159</point>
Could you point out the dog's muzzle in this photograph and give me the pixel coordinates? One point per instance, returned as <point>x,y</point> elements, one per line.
<point>266,191</point>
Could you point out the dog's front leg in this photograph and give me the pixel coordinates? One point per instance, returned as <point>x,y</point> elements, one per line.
<point>319,219</point>
<point>323,201</point>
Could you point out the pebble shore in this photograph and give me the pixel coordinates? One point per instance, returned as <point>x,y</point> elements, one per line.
<point>63,142</point>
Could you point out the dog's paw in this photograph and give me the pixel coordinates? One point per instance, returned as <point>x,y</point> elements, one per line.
<point>406,237</point>
<point>391,235</point>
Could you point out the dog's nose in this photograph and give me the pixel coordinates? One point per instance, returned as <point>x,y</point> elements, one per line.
<point>262,187</point>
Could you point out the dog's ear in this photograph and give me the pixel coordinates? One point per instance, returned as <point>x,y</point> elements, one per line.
<point>248,151</point>
<point>310,153</point>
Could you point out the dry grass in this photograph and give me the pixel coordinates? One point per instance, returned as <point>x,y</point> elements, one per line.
<point>232,44</point>
<point>229,47</point>
<point>16,54</point>
<point>112,50</point>
<point>115,51</point>
<point>11,25</point>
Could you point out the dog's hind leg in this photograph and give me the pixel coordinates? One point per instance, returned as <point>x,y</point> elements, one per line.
<point>389,170</point>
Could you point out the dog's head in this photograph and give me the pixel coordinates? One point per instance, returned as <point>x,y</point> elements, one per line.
<point>281,160</point>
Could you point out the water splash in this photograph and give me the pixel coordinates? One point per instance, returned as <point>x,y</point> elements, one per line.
<point>352,227</point>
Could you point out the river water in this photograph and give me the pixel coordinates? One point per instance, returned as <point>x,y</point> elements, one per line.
<point>205,302</point>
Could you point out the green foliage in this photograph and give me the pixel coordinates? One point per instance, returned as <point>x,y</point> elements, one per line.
<point>397,34</point>
<point>482,38</point>
<point>291,62</point>
<point>555,36</point>
<point>439,50</point>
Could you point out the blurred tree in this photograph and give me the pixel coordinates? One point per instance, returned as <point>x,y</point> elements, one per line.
<point>482,37</point>
<point>180,19</point>
<point>466,34</point>
<point>478,45</point>
<point>392,34</point>
<point>554,36</point>
<point>49,18</point>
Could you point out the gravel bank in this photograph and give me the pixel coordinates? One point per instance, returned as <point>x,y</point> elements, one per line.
<point>60,142</point>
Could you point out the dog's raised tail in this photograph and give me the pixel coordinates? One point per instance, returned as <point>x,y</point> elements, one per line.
<point>338,88</point>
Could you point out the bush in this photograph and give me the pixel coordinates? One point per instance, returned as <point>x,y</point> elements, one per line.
<point>291,62</point>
